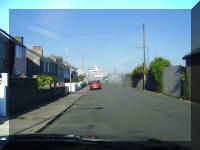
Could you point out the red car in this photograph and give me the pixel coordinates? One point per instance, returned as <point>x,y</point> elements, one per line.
<point>95,85</point>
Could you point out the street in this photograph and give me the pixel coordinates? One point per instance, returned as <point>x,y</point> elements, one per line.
<point>121,112</point>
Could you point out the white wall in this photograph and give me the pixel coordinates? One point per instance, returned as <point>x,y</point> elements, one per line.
<point>3,85</point>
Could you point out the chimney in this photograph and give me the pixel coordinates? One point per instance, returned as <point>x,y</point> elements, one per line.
<point>38,49</point>
<point>59,59</point>
<point>19,39</point>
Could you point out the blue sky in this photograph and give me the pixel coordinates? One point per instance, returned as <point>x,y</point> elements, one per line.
<point>5,5</point>
<point>107,38</point>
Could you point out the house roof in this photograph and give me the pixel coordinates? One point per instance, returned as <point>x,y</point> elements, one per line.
<point>194,52</point>
<point>57,59</point>
<point>66,63</point>
<point>43,57</point>
<point>74,68</point>
<point>6,35</point>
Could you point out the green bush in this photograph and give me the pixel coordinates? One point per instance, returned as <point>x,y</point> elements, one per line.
<point>156,69</point>
<point>81,77</point>
<point>184,84</point>
<point>78,79</point>
<point>139,71</point>
<point>74,80</point>
<point>45,80</point>
<point>66,80</point>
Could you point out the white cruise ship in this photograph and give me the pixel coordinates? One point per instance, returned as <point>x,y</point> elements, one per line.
<point>94,72</point>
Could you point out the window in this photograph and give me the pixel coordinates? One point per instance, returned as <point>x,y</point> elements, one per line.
<point>2,50</point>
<point>18,51</point>
<point>46,66</point>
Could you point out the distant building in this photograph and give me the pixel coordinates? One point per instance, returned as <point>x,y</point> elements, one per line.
<point>37,64</point>
<point>12,54</point>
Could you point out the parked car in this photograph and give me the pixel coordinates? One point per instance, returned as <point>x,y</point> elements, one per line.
<point>95,85</point>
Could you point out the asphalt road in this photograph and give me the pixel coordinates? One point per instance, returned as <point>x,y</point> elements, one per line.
<point>120,112</point>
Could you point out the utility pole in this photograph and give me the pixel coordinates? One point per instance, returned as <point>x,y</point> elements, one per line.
<point>144,65</point>
<point>70,80</point>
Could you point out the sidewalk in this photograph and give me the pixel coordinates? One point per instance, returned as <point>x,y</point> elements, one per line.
<point>33,120</point>
<point>4,126</point>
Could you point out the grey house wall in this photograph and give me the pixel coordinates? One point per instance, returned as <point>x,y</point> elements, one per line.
<point>60,66</point>
<point>3,51</point>
<point>60,73</point>
<point>32,64</point>
<point>171,81</point>
<point>48,68</point>
<point>39,65</point>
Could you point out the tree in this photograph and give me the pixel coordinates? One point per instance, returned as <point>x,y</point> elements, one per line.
<point>156,69</point>
<point>139,71</point>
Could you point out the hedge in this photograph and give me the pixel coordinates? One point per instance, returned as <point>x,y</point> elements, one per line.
<point>45,80</point>
<point>184,85</point>
<point>156,69</point>
<point>139,71</point>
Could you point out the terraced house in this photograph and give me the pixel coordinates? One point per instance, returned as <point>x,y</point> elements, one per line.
<point>12,54</point>
<point>38,64</point>
<point>60,66</point>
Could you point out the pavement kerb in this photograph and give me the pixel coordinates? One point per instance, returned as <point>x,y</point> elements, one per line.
<point>162,94</point>
<point>33,128</point>
<point>59,114</point>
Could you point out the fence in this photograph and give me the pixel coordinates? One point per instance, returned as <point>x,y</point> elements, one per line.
<point>172,82</point>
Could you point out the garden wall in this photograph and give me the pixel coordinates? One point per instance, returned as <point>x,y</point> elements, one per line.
<point>24,94</point>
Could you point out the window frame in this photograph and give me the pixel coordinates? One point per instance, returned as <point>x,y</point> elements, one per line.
<point>18,51</point>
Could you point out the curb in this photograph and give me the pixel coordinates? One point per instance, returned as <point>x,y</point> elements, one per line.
<point>162,94</point>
